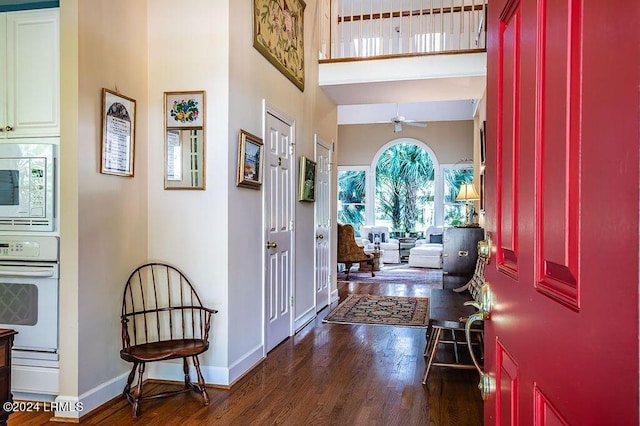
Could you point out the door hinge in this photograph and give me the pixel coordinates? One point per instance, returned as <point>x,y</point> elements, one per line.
<point>291,147</point>
<point>291,301</point>
<point>290,225</point>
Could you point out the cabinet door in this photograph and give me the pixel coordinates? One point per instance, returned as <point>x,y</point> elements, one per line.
<point>33,74</point>
<point>460,250</point>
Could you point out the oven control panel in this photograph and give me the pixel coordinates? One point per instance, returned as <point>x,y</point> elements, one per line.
<point>29,248</point>
<point>19,249</point>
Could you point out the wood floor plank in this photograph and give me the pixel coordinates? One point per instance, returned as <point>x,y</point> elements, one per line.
<point>327,374</point>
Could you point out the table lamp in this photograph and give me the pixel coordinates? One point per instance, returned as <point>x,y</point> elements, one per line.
<point>468,194</point>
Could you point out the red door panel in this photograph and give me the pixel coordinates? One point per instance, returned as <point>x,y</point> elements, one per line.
<point>507,397</point>
<point>562,206</point>
<point>559,38</point>
<point>546,414</point>
<point>508,139</point>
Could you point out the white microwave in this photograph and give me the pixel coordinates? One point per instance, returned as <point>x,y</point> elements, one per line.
<point>27,186</point>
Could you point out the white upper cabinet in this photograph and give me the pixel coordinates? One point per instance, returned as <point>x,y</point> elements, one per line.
<point>30,74</point>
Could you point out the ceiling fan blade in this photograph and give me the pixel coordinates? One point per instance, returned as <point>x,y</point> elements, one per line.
<point>415,123</point>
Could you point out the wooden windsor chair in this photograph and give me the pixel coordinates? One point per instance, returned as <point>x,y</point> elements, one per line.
<point>162,319</point>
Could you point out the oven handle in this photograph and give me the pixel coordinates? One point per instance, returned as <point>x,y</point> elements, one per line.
<point>48,272</point>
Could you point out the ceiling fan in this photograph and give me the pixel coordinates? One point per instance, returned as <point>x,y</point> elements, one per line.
<point>399,120</point>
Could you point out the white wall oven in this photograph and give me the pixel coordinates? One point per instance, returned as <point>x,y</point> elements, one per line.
<point>27,185</point>
<point>29,292</point>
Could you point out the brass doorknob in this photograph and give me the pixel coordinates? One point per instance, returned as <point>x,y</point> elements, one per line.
<point>271,244</point>
<point>320,237</point>
<point>9,129</point>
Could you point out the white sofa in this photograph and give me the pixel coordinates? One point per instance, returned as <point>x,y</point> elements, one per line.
<point>427,252</point>
<point>389,246</point>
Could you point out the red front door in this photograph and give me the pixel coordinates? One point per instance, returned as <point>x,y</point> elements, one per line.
<point>563,138</point>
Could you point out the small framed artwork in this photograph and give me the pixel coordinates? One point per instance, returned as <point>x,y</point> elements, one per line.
<point>118,134</point>
<point>184,109</point>
<point>307,180</point>
<point>483,143</point>
<point>481,192</point>
<point>249,161</point>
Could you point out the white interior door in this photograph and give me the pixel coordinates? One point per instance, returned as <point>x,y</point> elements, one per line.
<point>278,238</point>
<point>323,222</point>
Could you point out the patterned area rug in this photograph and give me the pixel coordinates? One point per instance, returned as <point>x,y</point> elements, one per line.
<point>381,310</point>
<point>399,274</point>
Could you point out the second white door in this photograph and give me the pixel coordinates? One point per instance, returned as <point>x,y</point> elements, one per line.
<point>278,239</point>
<point>323,223</point>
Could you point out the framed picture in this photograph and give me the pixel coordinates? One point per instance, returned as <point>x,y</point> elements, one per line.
<point>281,44</point>
<point>184,109</point>
<point>481,192</point>
<point>483,143</point>
<point>307,180</point>
<point>249,161</point>
<point>118,134</point>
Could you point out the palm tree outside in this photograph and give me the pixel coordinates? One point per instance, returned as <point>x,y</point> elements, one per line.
<point>405,187</point>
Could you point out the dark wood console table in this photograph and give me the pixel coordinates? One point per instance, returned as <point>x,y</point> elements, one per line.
<point>460,250</point>
<point>6,343</point>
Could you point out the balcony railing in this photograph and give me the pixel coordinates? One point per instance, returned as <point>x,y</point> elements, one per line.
<point>374,28</point>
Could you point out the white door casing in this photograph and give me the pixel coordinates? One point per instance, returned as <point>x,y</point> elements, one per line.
<point>278,217</point>
<point>323,223</point>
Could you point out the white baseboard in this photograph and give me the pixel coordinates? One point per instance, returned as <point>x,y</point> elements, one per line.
<point>334,296</point>
<point>173,372</point>
<point>68,407</point>
<point>212,375</point>
<point>246,363</point>
<point>304,319</point>
<point>101,394</point>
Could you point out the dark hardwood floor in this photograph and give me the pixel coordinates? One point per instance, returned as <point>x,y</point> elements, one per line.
<point>327,374</point>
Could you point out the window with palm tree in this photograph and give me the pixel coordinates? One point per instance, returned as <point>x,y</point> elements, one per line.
<point>405,189</point>
<point>352,197</point>
<point>454,177</point>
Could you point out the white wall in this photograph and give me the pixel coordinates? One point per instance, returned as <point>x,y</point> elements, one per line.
<point>189,50</point>
<point>112,220</point>
<point>111,224</point>
<point>252,79</point>
<point>103,231</point>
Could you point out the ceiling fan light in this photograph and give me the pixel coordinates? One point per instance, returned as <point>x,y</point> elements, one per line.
<point>397,127</point>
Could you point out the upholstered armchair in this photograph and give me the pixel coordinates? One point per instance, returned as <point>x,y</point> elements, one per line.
<point>349,252</point>
<point>390,246</point>
<point>427,252</point>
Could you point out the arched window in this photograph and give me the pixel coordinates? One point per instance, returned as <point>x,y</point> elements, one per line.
<point>366,197</point>
<point>405,186</point>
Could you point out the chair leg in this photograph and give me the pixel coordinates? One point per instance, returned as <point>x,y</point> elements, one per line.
<point>435,339</point>
<point>187,377</point>
<point>203,389</point>
<point>428,334</point>
<point>372,263</point>
<point>127,388</point>
<point>348,265</point>
<point>137,393</point>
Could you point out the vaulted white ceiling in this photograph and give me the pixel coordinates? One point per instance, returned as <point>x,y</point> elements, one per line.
<point>425,88</point>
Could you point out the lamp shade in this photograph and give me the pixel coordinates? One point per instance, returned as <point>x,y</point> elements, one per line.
<point>467,192</point>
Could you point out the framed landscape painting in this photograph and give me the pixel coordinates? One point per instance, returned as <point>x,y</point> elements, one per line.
<point>249,161</point>
<point>307,182</point>
<point>278,29</point>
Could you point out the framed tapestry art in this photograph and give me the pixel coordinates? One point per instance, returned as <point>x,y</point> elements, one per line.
<point>118,134</point>
<point>278,29</point>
